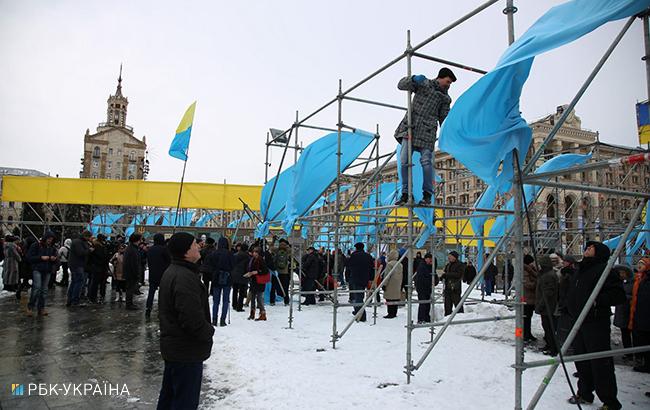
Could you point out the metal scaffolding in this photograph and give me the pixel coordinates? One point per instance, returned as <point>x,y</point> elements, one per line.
<point>394,229</point>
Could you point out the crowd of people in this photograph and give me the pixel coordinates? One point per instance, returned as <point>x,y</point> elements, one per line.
<point>555,287</point>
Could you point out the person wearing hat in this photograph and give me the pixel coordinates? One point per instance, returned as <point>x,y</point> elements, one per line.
<point>452,277</point>
<point>362,269</point>
<point>131,267</point>
<point>98,269</point>
<point>639,322</point>
<point>41,256</point>
<point>158,259</point>
<point>529,293</point>
<point>425,280</point>
<point>311,269</point>
<point>185,328</point>
<point>594,333</point>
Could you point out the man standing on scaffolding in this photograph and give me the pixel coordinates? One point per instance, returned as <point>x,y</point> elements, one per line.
<point>430,107</point>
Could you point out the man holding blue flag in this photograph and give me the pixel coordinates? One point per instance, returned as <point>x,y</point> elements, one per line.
<point>430,107</point>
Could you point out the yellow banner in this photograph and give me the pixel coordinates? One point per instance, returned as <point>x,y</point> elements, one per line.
<point>129,193</point>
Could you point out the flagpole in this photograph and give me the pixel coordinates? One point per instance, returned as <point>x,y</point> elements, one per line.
<point>180,191</point>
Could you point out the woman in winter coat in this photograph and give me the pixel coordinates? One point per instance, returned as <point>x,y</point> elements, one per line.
<point>10,273</point>
<point>639,322</point>
<point>546,296</point>
<point>259,275</point>
<point>393,287</point>
<point>530,287</point>
<point>239,282</point>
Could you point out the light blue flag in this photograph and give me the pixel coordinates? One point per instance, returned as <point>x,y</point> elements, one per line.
<point>181,142</point>
<point>487,116</point>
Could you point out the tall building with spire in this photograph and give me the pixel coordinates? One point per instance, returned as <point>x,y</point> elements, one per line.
<point>113,151</point>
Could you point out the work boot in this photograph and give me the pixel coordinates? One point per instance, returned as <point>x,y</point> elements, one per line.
<point>404,199</point>
<point>29,312</point>
<point>426,199</point>
<point>222,323</point>
<point>262,315</point>
<point>578,399</point>
<point>252,315</point>
<point>43,312</point>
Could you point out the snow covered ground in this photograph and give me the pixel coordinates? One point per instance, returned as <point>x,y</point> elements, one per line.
<point>264,365</point>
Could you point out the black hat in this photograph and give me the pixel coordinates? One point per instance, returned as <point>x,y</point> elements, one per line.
<point>209,240</point>
<point>528,259</point>
<point>454,254</point>
<point>179,244</point>
<point>359,246</point>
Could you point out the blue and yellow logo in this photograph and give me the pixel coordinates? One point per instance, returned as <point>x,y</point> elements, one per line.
<point>17,390</point>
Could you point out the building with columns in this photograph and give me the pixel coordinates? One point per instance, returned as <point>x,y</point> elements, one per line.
<point>113,151</point>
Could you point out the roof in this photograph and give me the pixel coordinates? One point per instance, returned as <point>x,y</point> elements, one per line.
<point>23,172</point>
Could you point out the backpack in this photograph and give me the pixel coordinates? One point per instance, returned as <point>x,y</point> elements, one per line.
<point>282,260</point>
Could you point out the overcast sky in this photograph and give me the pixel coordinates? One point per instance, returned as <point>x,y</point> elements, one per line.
<point>251,65</point>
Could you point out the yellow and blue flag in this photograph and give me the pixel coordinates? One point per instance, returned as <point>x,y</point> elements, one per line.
<point>181,141</point>
<point>643,121</point>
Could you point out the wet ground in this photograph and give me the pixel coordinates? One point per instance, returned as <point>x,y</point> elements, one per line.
<point>103,345</point>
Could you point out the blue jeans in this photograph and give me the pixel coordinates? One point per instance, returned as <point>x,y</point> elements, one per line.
<point>39,290</point>
<point>219,292</point>
<point>153,287</point>
<point>427,168</point>
<point>76,283</point>
<point>181,386</point>
<point>488,286</point>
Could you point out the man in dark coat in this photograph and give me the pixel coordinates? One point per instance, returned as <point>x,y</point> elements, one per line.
<point>98,269</point>
<point>42,257</point>
<point>158,259</point>
<point>311,270</point>
<point>132,266</point>
<point>204,269</point>
<point>79,251</point>
<point>431,104</point>
<point>424,282</point>
<point>185,329</point>
<point>220,263</point>
<point>546,297</point>
<point>452,277</point>
<point>594,334</point>
<point>239,282</point>
<point>362,270</point>
<point>490,276</point>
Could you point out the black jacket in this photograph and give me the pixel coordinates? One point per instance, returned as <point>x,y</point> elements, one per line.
<point>311,265</point>
<point>98,259</point>
<point>240,267</point>
<point>158,259</point>
<point>132,263</point>
<point>361,267</point>
<point>423,277</point>
<point>183,310</point>
<point>221,259</point>
<point>79,251</point>
<point>547,290</point>
<point>34,254</point>
<point>583,283</point>
<point>205,254</point>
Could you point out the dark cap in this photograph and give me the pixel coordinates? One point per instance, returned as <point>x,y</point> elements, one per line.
<point>359,246</point>
<point>179,244</point>
<point>454,254</point>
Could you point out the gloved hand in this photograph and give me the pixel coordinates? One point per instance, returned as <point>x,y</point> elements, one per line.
<point>419,79</point>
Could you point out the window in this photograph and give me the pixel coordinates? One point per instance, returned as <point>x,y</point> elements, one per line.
<point>94,175</point>
<point>132,156</point>
<point>95,163</point>
<point>11,204</point>
<point>96,152</point>
<point>116,117</point>
<point>10,219</point>
<point>110,164</point>
<point>118,164</point>
<point>131,168</point>
<point>119,151</point>
<point>117,176</point>
<point>131,177</point>
<point>108,176</point>
<point>110,151</point>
